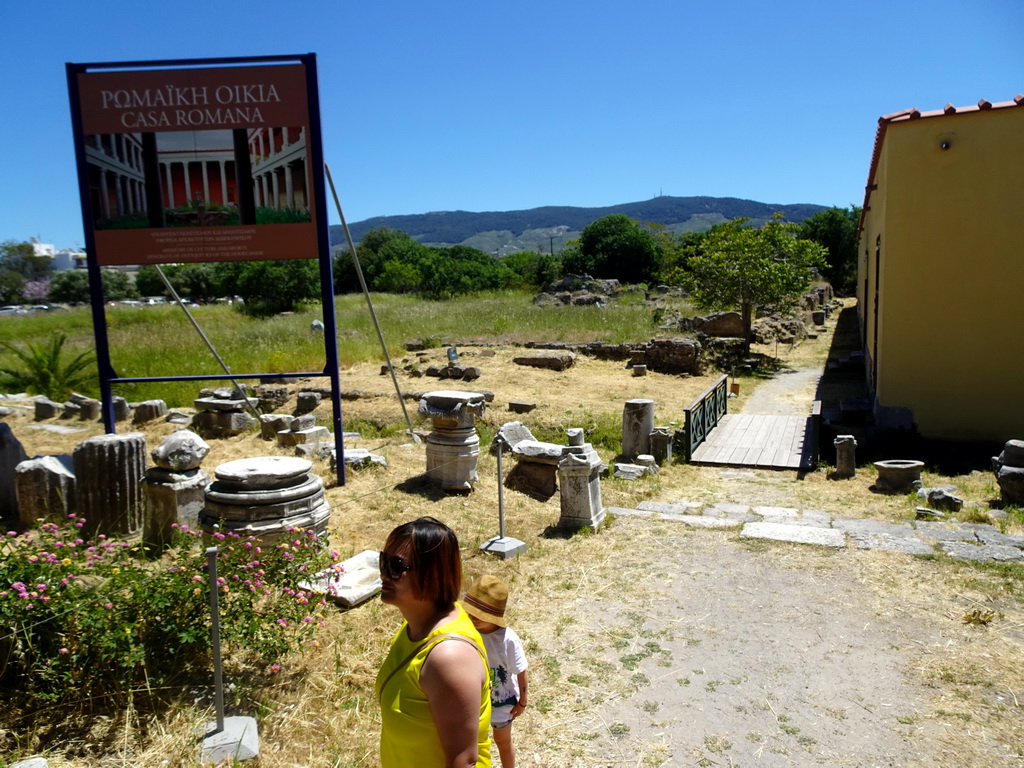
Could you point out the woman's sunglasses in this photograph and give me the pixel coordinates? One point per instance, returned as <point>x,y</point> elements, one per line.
<point>393,566</point>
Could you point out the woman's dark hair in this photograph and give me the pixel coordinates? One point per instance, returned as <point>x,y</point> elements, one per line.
<point>432,551</point>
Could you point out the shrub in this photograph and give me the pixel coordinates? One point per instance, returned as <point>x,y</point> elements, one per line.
<point>97,618</point>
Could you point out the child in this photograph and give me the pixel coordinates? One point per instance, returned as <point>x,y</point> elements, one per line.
<point>485,604</point>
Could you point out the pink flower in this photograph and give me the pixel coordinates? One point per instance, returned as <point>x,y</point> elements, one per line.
<point>63,651</point>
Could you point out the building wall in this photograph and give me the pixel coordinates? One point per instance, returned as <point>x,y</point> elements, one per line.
<point>950,337</point>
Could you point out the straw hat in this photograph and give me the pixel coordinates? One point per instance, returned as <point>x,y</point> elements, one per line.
<point>486,600</point>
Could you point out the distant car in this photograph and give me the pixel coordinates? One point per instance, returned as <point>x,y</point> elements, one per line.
<point>39,308</point>
<point>11,309</point>
<point>130,303</point>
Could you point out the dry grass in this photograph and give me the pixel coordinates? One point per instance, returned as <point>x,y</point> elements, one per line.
<point>578,601</point>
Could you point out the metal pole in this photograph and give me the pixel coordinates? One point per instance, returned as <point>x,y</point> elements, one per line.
<point>501,494</point>
<point>369,303</point>
<point>180,303</point>
<point>218,677</point>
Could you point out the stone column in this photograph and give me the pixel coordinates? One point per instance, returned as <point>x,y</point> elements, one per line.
<point>45,489</point>
<point>453,446</point>
<point>108,472</point>
<point>637,424</point>
<point>846,457</point>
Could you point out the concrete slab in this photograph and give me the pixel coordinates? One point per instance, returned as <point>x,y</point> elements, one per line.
<point>240,740</point>
<point>982,553</point>
<point>944,531</point>
<point>733,509</point>
<point>776,511</point>
<point>910,546</point>
<point>661,506</point>
<point>1001,538</point>
<point>32,762</point>
<point>699,521</point>
<point>58,429</point>
<point>824,519</point>
<point>504,547</point>
<point>874,527</point>
<point>798,534</point>
<point>626,512</point>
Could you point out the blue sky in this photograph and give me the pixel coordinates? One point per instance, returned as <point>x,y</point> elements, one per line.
<point>498,106</point>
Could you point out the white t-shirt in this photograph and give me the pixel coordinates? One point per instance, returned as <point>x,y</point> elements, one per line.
<point>506,659</point>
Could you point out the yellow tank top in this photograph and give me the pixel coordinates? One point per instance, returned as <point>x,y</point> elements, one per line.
<point>408,736</point>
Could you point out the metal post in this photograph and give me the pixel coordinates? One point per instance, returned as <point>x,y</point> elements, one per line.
<point>218,677</point>
<point>501,495</point>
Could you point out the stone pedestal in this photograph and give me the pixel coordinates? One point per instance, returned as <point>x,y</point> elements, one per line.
<point>265,497</point>
<point>637,425</point>
<point>108,472</point>
<point>175,487</point>
<point>453,446</point>
<point>661,445</point>
<point>846,457</point>
<point>172,498</point>
<point>45,488</point>
<point>579,484</point>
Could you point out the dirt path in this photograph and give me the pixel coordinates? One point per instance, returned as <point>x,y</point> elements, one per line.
<point>789,393</point>
<point>752,659</point>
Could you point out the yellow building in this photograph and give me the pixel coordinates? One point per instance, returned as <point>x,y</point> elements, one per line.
<point>941,271</point>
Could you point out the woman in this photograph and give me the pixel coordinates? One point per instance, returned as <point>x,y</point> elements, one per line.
<point>433,687</point>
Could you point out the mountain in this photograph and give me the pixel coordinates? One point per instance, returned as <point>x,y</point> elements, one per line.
<point>548,228</point>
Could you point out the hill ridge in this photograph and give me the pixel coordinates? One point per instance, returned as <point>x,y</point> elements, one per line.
<point>530,228</point>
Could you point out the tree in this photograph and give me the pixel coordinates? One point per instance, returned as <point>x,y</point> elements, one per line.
<point>271,287</point>
<point>23,259</point>
<point>836,230</point>
<point>371,258</point>
<point>617,247</point>
<point>71,287</point>
<point>534,270</point>
<point>737,266</point>
<point>148,282</point>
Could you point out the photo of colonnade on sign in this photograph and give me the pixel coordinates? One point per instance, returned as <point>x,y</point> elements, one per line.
<point>199,178</point>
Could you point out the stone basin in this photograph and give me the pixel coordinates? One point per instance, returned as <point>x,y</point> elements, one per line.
<point>899,475</point>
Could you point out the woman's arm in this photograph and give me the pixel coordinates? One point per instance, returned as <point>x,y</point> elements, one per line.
<point>452,677</point>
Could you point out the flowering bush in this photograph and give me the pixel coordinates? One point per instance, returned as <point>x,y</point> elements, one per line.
<point>98,618</point>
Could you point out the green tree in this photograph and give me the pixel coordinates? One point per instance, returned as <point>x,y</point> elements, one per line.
<point>737,266</point>
<point>617,247</point>
<point>70,286</point>
<point>117,285</point>
<point>44,372</point>
<point>836,230</point>
<point>271,287</point>
<point>534,270</point>
<point>12,286</point>
<point>148,282</point>
<point>22,259</point>
<point>371,257</point>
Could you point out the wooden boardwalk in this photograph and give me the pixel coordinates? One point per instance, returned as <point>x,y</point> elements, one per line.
<point>759,440</point>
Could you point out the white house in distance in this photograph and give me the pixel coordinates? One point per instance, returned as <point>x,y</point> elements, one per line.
<point>63,258</point>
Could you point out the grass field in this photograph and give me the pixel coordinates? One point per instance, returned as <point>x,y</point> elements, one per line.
<point>160,341</point>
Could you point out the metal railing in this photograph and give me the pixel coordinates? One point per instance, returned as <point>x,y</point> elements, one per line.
<point>704,413</point>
